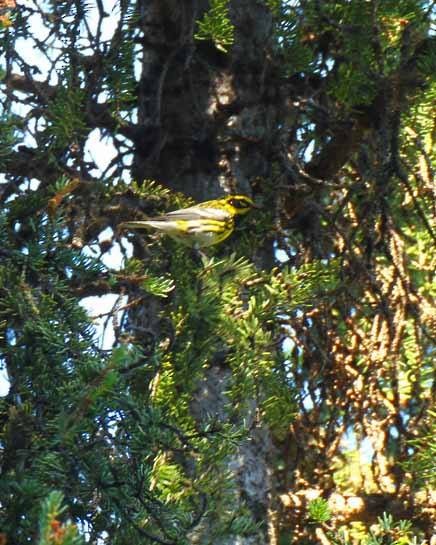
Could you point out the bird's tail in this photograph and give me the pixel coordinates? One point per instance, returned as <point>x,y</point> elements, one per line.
<point>134,225</point>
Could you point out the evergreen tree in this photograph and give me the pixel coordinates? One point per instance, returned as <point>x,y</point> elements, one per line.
<point>275,389</point>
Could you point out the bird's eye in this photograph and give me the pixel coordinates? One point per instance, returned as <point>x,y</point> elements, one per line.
<point>240,204</point>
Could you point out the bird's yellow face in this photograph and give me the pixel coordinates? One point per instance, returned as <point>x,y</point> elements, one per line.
<point>238,204</point>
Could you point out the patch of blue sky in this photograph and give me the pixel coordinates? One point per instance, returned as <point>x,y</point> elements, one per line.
<point>113,258</point>
<point>288,346</point>
<point>4,380</point>
<point>102,310</point>
<point>101,151</point>
<point>350,443</point>
<point>281,255</point>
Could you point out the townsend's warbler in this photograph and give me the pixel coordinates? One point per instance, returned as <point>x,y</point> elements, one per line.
<point>202,225</point>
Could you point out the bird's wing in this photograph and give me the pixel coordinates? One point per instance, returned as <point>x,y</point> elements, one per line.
<point>196,212</point>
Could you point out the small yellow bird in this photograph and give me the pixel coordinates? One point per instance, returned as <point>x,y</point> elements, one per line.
<point>201,225</point>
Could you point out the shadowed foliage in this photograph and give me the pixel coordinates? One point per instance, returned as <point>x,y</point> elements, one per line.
<point>276,388</point>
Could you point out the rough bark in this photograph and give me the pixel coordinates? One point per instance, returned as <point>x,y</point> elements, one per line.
<point>206,126</point>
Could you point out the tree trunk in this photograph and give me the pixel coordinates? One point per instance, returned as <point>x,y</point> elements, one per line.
<point>206,127</point>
